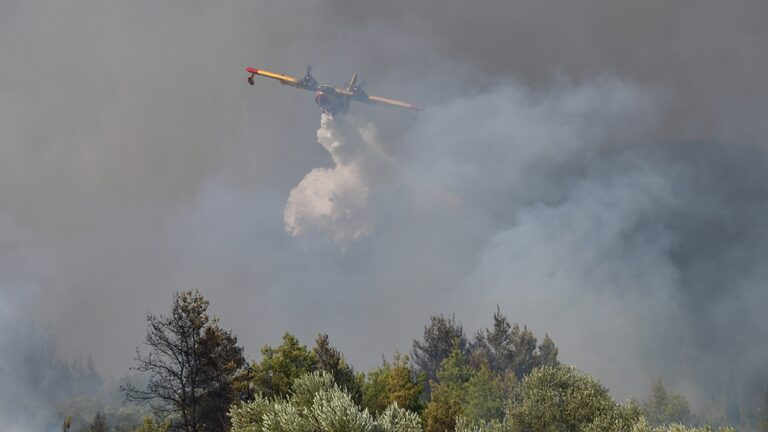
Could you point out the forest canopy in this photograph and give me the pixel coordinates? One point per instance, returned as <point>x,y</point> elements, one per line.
<point>192,376</point>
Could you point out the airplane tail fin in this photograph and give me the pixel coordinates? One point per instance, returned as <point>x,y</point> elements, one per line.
<point>352,82</point>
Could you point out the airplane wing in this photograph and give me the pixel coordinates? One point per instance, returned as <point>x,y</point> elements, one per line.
<point>376,100</point>
<point>284,79</point>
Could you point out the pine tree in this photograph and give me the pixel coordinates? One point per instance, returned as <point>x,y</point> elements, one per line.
<point>279,367</point>
<point>376,389</point>
<point>392,383</point>
<point>505,347</point>
<point>329,359</point>
<point>494,347</point>
<point>483,397</point>
<point>98,424</point>
<point>664,408</point>
<point>447,398</point>
<point>440,336</point>
<point>548,353</point>
<point>403,388</point>
<point>192,365</point>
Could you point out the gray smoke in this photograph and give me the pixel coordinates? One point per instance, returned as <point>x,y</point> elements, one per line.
<point>596,168</point>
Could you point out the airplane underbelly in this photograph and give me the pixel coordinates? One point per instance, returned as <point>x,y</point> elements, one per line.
<point>328,102</point>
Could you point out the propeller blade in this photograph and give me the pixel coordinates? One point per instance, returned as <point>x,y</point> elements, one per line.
<point>309,69</point>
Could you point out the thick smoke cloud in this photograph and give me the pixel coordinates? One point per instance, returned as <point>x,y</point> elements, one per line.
<point>705,57</point>
<point>579,225</point>
<point>597,170</point>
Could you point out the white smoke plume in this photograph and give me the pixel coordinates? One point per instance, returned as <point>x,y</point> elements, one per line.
<point>335,201</point>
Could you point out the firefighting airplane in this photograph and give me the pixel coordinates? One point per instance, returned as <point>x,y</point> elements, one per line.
<point>331,99</point>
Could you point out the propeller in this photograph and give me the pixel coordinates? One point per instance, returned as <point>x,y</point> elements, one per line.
<point>309,69</point>
<point>362,84</point>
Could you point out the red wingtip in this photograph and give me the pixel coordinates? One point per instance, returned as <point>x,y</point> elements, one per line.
<point>251,70</point>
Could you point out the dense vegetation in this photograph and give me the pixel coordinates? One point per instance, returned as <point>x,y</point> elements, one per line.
<point>196,379</point>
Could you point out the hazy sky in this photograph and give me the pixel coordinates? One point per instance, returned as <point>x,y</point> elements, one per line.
<point>598,169</point>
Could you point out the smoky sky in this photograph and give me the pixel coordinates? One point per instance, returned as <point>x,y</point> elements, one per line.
<point>595,168</point>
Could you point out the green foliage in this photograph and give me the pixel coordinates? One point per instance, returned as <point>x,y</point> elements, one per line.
<point>558,399</point>
<point>284,417</point>
<point>665,408</point>
<point>465,425</point>
<point>376,389</point>
<point>195,368</point>
<point>307,386</point>
<point>396,419</point>
<point>712,414</point>
<point>501,382</point>
<point>483,397</point>
<point>392,383</point>
<point>505,348</point>
<point>149,425</point>
<point>403,389</point>
<point>455,370</point>
<point>548,352</point>
<point>643,426</point>
<point>249,417</point>
<point>120,416</point>
<point>329,359</point>
<point>331,410</point>
<point>334,411</point>
<point>442,411</point>
<point>280,366</point>
<point>477,396</point>
<point>440,337</point>
<point>448,394</point>
<point>223,378</point>
<point>622,419</point>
